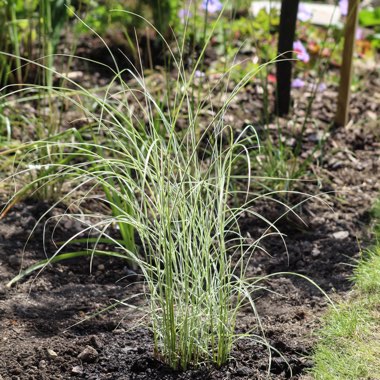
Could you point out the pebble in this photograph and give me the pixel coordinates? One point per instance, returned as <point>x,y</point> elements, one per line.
<point>95,342</point>
<point>128,349</point>
<point>77,370</point>
<point>315,252</point>
<point>372,115</point>
<point>75,75</point>
<point>52,354</point>
<point>89,354</point>
<point>42,364</point>
<point>101,267</point>
<point>118,331</point>
<point>340,235</point>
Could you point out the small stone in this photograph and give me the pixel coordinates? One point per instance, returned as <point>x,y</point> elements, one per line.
<point>75,75</point>
<point>315,252</point>
<point>95,342</point>
<point>128,349</point>
<point>89,354</point>
<point>52,354</point>
<point>341,235</point>
<point>42,364</point>
<point>319,221</point>
<point>118,331</point>
<point>101,267</point>
<point>77,370</point>
<point>372,115</point>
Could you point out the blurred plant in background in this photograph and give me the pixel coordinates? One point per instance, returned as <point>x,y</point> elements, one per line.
<point>33,28</point>
<point>105,17</point>
<point>30,29</point>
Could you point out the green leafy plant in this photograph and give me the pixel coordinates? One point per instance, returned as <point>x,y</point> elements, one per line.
<point>370,17</point>
<point>25,24</point>
<point>99,16</point>
<point>53,16</point>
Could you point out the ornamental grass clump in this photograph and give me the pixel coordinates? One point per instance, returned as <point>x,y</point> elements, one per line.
<point>191,267</point>
<point>193,256</point>
<point>173,189</point>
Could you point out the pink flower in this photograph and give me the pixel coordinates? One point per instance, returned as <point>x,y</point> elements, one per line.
<point>212,6</point>
<point>343,6</point>
<point>321,87</point>
<point>359,35</point>
<point>298,83</point>
<point>301,51</point>
<point>272,78</point>
<point>184,14</point>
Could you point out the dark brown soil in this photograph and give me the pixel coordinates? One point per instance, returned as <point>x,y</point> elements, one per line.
<point>38,340</point>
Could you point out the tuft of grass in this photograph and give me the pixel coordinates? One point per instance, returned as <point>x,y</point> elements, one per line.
<point>350,338</point>
<point>350,345</point>
<point>367,273</point>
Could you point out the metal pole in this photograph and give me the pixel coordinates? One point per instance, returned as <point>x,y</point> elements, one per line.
<point>288,21</point>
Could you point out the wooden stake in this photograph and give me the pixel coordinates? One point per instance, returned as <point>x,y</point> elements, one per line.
<point>344,93</point>
<point>288,21</point>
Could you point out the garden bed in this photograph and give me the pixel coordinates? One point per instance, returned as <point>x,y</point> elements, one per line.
<point>36,316</point>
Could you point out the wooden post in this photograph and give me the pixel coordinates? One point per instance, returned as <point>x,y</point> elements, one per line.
<point>344,93</point>
<point>288,21</point>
